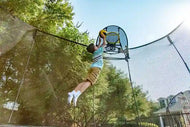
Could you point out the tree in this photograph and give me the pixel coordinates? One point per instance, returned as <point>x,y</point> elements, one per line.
<point>47,15</point>
<point>55,68</point>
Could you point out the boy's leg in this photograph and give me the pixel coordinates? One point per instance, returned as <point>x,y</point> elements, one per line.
<point>83,86</point>
<point>78,91</point>
<point>90,80</point>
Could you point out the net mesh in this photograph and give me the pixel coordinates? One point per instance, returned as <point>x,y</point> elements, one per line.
<point>12,31</point>
<point>157,67</point>
<point>182,41</point>
<point>44,89</point>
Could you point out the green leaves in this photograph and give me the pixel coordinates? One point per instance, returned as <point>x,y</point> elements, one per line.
<point>55,68</point>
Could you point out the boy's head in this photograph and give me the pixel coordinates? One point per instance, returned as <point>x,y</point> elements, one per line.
<point>102,33</point>
<point>91,48</point>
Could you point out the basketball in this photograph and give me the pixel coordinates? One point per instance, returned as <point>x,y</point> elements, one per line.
<point>102,33</point>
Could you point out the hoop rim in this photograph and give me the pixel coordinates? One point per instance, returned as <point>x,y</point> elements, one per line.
<point>116,34</point>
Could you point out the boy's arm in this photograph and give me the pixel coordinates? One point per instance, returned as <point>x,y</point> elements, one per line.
<point>99,43</point>
<point>104,42</point>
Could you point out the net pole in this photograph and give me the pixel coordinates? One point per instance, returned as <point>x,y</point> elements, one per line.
<point>23,78</point>
<point>131,83</point>
<point>134,97</point>
<point>168,106</point>
<point>171,42</point>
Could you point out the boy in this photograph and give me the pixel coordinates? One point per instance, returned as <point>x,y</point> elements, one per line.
<point>94,71</point>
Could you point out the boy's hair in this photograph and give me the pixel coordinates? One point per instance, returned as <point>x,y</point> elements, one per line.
<point>90,48</point>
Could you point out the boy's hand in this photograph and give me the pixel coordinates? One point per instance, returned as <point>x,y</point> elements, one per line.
<point>103,36</point>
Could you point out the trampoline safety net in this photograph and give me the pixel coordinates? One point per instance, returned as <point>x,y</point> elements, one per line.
<point>157,68</point>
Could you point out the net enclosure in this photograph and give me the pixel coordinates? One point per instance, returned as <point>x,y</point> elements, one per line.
<point>27,61</point>
<point>161,67</point>
<point>36,70</point>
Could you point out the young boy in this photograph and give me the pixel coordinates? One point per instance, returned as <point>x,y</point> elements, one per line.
<point>94,70</point>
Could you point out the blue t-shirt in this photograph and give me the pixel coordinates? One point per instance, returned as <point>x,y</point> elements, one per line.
<point>98,58</point>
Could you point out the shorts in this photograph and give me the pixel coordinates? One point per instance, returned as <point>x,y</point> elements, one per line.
<point>93,74</point>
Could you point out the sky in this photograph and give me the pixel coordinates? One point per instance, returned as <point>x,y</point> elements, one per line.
<point>143,21</point>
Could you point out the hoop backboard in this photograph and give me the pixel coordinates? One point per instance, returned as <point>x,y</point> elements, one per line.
<point>116,38</point>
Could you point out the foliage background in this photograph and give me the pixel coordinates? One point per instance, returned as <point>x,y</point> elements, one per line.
<point>55,68</point>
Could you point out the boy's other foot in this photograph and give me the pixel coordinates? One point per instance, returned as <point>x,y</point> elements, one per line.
<point>75,100</point>
<point>70,97</point>
<point>75,97</point>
